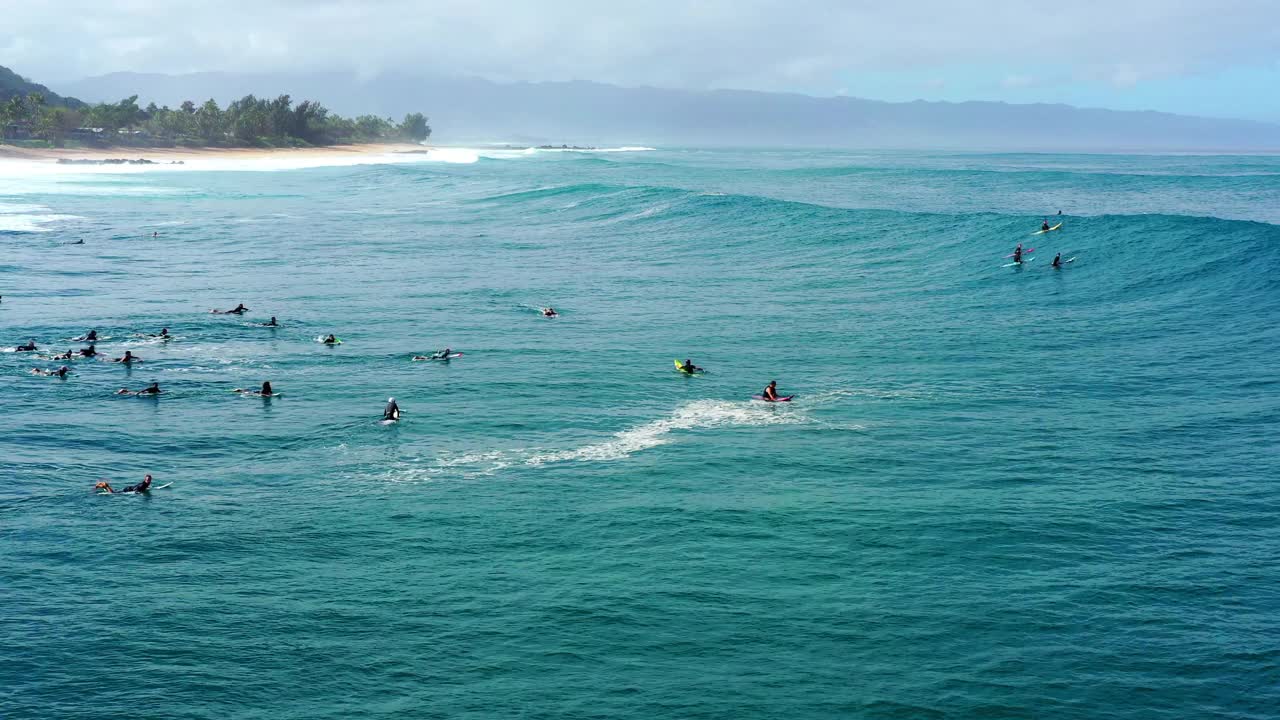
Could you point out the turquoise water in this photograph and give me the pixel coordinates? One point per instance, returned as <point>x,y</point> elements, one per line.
<point>1002,492</point>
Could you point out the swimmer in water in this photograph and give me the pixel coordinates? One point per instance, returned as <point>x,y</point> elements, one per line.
<point>59,373</point>
<point>141,487</point>
<point>266,391</point>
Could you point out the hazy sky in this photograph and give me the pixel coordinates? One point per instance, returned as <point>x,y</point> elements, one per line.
<point>1219,57</point>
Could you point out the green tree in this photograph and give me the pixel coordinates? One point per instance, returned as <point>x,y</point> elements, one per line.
<point>415,127</point>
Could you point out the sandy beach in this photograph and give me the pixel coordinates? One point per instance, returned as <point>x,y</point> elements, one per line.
<point>183,154</point>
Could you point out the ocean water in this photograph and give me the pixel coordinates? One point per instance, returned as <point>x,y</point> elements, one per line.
<point>1001,492</point>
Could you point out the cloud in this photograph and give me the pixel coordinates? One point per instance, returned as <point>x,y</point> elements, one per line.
<point>1017,82</point>
<point>760,44</point>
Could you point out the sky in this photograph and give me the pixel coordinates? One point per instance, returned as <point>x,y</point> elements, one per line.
<point>1218,58</point>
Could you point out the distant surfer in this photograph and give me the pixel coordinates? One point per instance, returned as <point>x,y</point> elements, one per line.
<point>141,487</point>
<point>690,368</point>
<point>152,389</point>
<point>1017,253</point>
<point>391,411</point>
<point>59,373</point>
<point>127,358</point>
<point>330,340</point>
<point>266,391</point>
<point>237,310</point>
<point>1044,225</point>
<point>91,351</point>
<point>1057,260</point>
<point>549,312</point>
<point>64,356</point>
<point>273,322</point>
<point>163,334</point>
<point>89,337</point>
<point>770,393</point>
<point>442,355</point>
<point>29,347</point>
<point>78,242</point>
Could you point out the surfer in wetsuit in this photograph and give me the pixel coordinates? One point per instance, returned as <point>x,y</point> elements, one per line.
<point>128,358</point>
<point>770,393</point>
<point>1057,260</point>
<point>548,312</point>
<point>690,368</point>
<point>29,347</point>
<point>89,337</point>
<point>266,390</point>
<point>273,322</point>
<point>60,372</point>
<point>331,340</point>
<point>442,355</point>
<point>152,389</point>
<point>391,411</point>
<point>64,356</point>
<point>141,487</point>
<point>1017,253</point>
<point>1044,226</point>
<point>91,351</point>
<point>237,310</point>
<point>164,334</point>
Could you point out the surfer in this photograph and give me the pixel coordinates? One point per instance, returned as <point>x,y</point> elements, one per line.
<point>89,337</point>
<point>91,351</point>
<point>690,368</point>
<point>266,390</point>
<point>1057,260</point>
<point>64,356</point>
<point>1017,253</point>
<point>141,487</point>
<point>164,334</point>
<point>60,372</point>
<point>1044,225</point>
<point>442,355</point>
<point>770,393</point>
<point>391,411</point>
<point>330,340</point>
<point>237,310</point>
<point>29,347</point>
<point>273,322</point>
<point>129,357</point>
<point>549,312</point>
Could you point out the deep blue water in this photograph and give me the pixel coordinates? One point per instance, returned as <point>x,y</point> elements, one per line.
<point>1001,492</point>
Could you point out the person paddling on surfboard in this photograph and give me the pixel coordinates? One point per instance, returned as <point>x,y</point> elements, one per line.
<point>127,358</point>
<point>239,309</point>
<point>141,487</point>
<point>91,336</point>
<point>29,347</point>
<point>152,389</point>
<point>442,355</point>
<point>690,368</point>
<point>391,411</point>
<point>91,351</point>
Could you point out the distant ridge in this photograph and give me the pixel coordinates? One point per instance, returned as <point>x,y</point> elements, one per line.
<point>14,85</point>
<point>471,110</point>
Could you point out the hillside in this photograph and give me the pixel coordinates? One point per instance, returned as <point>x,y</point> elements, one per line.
<point>14,85</point>
<point>473,110</point>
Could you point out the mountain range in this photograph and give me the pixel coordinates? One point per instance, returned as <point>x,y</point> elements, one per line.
<point>465,109</point>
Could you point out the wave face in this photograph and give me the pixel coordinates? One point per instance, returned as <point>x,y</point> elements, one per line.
<point>992,477</point>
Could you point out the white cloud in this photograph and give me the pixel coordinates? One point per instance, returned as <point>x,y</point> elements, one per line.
<point>763,44</point>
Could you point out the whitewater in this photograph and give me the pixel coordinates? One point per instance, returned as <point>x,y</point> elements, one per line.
<point>1000,491</point>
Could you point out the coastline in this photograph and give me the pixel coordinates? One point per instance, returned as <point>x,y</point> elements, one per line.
<point>165,156</point>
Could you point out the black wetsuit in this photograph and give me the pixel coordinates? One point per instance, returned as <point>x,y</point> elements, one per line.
<point>392,412</point>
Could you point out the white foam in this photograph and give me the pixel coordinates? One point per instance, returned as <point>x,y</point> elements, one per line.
<point>698,414</point>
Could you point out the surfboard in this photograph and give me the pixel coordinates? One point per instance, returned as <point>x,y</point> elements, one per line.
<point>1041,232</point>
<point>695,373</point>
<point>1017,263</point>
<point>336,340</point>
<point>781,399</point>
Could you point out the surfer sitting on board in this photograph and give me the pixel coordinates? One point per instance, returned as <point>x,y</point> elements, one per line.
<point>1017,253</point>
<point>770,393</point>
<point>1057,260</point>
<point>1044,225</point>
<point>391,411</point>
<point>690,368</point>
<point>91,351</point>
<point>331,340</point>
<point>141,487</point>
<point>273,322</point>
<point>91,336</point>
<point>266,390</point>
<point>164,333</point>
<point>548,312</point>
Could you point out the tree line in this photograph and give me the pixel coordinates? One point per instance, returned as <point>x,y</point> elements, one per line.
<point>247,122</point>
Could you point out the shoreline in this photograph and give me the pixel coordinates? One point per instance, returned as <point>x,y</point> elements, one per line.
<point>166,156</point>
